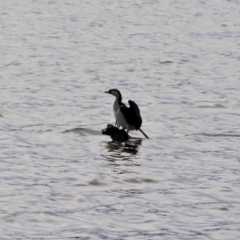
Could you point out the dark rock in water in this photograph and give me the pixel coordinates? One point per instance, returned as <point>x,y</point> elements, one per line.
<point>115,133</point>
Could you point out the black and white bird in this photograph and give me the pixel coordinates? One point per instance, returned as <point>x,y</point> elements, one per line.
<point>127,117</point>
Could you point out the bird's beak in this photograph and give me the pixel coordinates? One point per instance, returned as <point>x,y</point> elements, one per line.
<point>107,92</point>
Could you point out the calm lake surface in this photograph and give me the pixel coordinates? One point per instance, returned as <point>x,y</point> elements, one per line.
<point>61,178</point>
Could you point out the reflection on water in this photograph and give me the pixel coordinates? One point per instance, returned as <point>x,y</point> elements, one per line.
<point>131,147</point>
<point>121,154</point>
<point>123,150</point>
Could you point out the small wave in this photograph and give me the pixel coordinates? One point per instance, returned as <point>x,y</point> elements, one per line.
<point>219,135</point>
<point>211,106</point>
<point>83,131</point>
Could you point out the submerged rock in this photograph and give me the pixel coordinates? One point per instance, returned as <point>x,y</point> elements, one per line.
<point>115,133</point>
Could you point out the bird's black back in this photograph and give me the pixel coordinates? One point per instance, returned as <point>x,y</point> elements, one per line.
<point>132,114</point>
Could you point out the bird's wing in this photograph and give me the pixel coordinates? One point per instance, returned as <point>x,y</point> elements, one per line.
<point>133,105</point>
<point>122,105</point>
<point>132,114</point>
<point>134,108</point>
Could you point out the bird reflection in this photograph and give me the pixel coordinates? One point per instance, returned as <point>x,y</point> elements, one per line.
<point>130,147</point>
<point>122,154</point>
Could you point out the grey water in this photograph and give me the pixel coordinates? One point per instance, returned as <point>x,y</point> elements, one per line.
<point>60,178</point>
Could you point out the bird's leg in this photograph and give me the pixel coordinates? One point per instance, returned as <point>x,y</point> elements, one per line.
<point>116,124</point>
<point>124,129</point>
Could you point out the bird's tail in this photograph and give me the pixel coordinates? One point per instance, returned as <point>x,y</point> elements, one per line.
<point>145,135</point>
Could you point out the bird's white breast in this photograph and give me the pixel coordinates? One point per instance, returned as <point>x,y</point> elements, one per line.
<point>119,115</point>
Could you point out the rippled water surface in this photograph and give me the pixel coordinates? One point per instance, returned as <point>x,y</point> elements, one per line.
<point>61,178</point>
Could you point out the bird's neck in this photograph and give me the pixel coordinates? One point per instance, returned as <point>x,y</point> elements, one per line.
<point>116,104</point>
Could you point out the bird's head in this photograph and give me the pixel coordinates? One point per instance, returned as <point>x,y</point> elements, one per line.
<point>115,93</point>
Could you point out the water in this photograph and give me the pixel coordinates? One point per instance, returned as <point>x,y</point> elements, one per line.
<point>62,179</point>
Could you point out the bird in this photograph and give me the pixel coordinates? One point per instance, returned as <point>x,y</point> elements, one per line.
<point>127,117</point>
